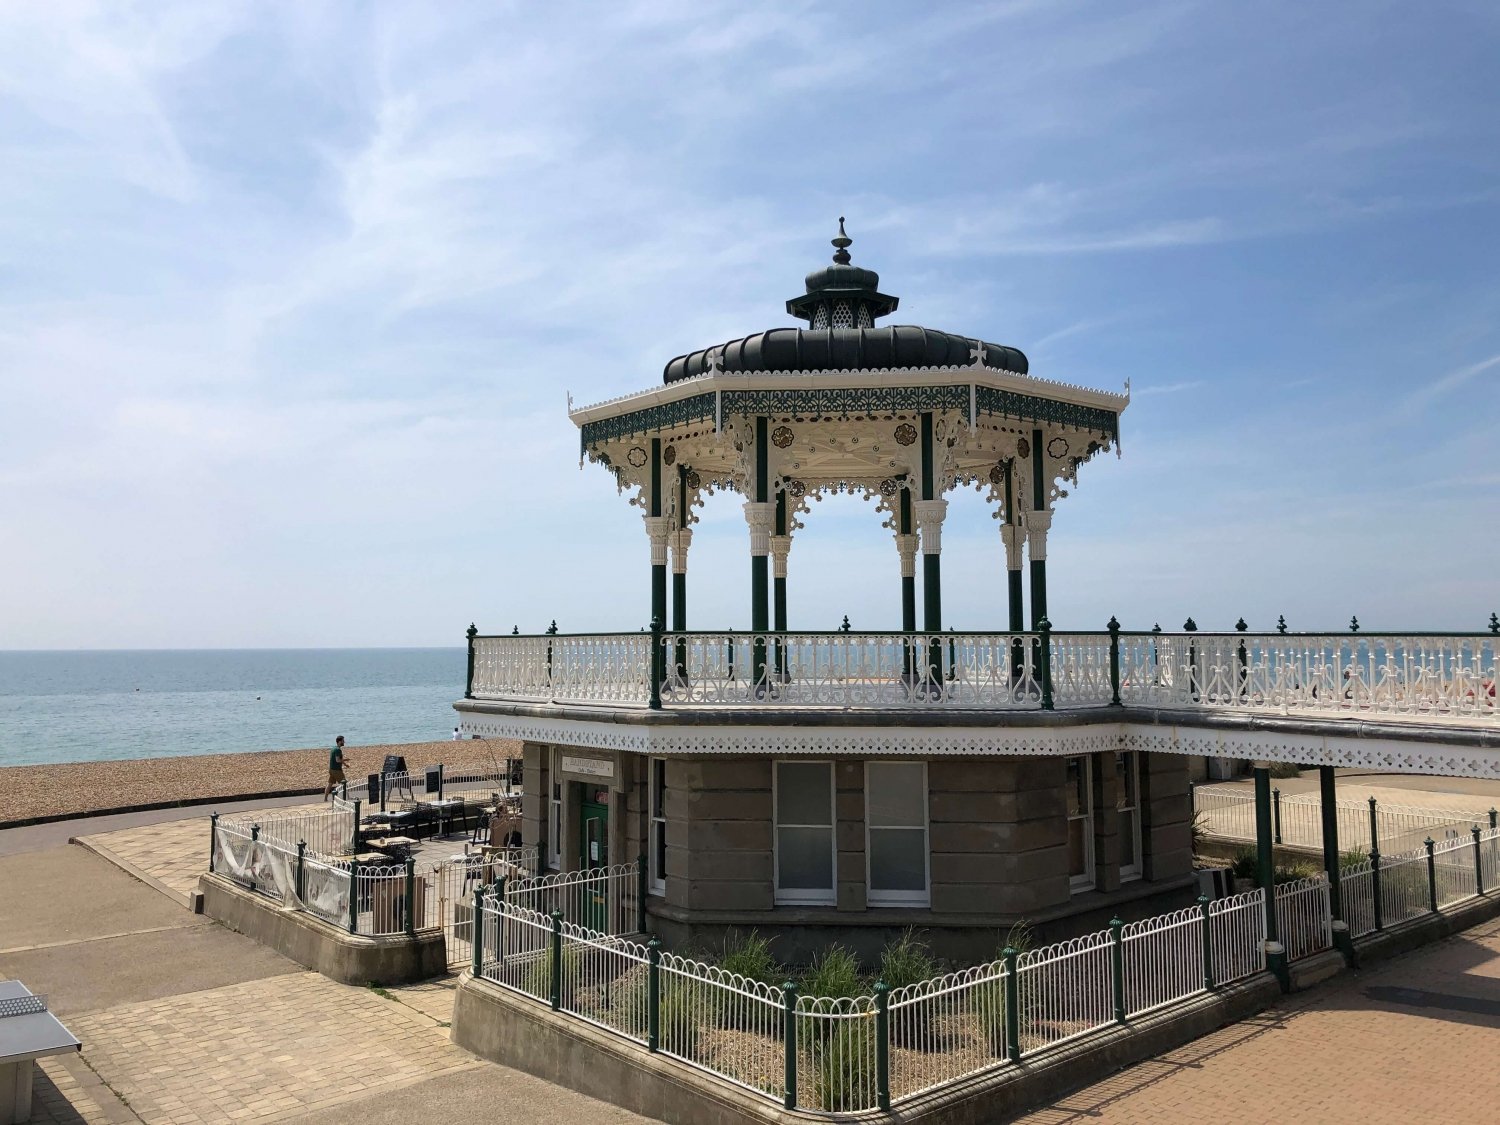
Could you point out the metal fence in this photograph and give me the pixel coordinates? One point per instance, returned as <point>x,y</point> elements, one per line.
<point>1384,891</point>
<point>607,900</point>
<point>326,831</point>
<point>856,1053</point>
<point>1228,812</point>
<point>1303,918</point>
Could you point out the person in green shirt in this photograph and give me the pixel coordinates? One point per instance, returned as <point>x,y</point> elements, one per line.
<point>335,766</point>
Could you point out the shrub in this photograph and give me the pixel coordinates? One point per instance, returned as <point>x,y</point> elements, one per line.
<point>843,1066</point>
<point>750,956</point>
<point>1199,829</point>
<point>833,973</point>
<point>537,978</point>
<point>1285,769</point>
<point>1292,872</point>
<point>1351,857</point>
<point>1243,864</point>
<point>906,960</point>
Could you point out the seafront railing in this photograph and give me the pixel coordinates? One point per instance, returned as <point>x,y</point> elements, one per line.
<point>1430,676</point>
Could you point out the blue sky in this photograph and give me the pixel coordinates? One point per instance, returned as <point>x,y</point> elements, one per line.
<point>292,295</point>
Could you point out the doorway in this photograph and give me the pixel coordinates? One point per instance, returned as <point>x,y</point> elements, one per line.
<point>594,853</point>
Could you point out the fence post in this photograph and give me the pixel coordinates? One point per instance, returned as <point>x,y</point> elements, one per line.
<point>1375,887</point>
<point>1012,1005</point>
<point>789,1042</point>
<point>254,844</point>
<point>477,939</point>
<point>654,665</point>
<point>411,896</point>
<point>1374,828</point>
<point>301,855</point>
<point>1114,660</point>
<point>1276,813</point>
<point>500,920</point>
<point>1208,943</point>
<point>354,834</point>
<point>1117,965</point>
<point>556,973</point>
<point>640,893</point>
<point>653,995</point>
<point>353,895</point>
<point>1494,816</point>
<point>213,839</point>
<point>1478,863</point>
<point>883,1045</point>
<point>1431,875</point>
<point>469,679</point>
<point>1044,632</point>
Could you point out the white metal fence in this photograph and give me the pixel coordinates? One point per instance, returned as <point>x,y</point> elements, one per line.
<point>604,899</point>
<point>1303,919</point>
<point>326,831</point>
<point>1228,812</point>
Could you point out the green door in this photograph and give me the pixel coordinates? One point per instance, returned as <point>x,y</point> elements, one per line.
<point>595,855</point>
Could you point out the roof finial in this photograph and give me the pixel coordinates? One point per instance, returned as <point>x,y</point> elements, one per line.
<point>842,242</point>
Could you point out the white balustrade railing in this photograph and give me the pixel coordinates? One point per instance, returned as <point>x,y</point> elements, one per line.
<point>608,668</point>
<point>988,671</point>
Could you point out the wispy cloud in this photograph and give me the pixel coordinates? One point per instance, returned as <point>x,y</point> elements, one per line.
<point>1451,382</point>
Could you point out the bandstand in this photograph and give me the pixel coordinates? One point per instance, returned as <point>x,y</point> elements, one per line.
<point>842,785</point>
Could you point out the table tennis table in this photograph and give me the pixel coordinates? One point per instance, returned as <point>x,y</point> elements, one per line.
<point>28,1031</point>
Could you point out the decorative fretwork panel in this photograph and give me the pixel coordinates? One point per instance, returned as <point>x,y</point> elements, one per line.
<point>603,669</point>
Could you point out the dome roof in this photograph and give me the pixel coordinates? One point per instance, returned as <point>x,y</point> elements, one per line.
<point>844,349</point>
<point>841,304</point>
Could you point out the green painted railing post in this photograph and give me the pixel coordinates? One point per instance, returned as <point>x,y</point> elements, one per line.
<point>789,1042</point>
<point>301,857</point>
<point>1495,818</point>
<point>469,679</point>
<point>1012,1005</point>
<point>1431,875</point>
<point>477,938</point>
<point>254,843</point>
<point>411,896</point>
<point>640,893</point>
<point>1206,924</point>
<point>1117,965</point>
<point>1478,862</point>
<point>1374,827</point>
<point>654,665</point>
<point>653,995</point>
<point>1375,888</point>
<point>353,895</point>
<point>1244,672</point>
<point>1114,661</point>
<point>213,839</point>
<point>556,974</point>
<point>1276,814</point>
<point>1044,631</point>
<point>883,1045</point>
<point>354,834</point>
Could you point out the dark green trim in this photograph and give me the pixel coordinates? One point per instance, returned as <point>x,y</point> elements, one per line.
<point>1038,473</point>
<point>909,604</point>
<point>1017,602</point>
<point>778,604</point>
<point>1008,473</point>
<point>928,485</point>
<point>932,594</point>
<point>847,402</point>
<point>762,461</point>
<point>1038,591</point>
<point>658,570</point>
<point>679,603</point>
<point>1265,871</point>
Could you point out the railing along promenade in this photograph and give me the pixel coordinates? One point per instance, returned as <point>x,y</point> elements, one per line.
<point>1431,675</point>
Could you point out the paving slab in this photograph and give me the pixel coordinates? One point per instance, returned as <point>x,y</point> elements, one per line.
<point>67,894</point>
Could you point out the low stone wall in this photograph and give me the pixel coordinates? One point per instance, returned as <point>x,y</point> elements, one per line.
<point>340,956</point>
<point>514,1030</point>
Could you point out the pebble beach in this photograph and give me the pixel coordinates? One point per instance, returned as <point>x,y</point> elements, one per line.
<point>67,789</point>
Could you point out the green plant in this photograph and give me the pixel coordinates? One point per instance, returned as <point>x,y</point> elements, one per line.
<point>906,960</point>
<point>749,955</point>
<point>843,1077</point>
<point>1351,857</point>
<point>1244,864</point>
<point>1019,937</point>
<point>833,973</point>
<point>1292,872</point>
<point>1199,829</point>
<point>536,979</point>
<point>1285,769</point>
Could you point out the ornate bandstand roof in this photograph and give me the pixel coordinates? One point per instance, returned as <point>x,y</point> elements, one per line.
<point>842,397</point>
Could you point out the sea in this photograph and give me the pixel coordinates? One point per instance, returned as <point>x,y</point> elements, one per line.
<point>92,706</point>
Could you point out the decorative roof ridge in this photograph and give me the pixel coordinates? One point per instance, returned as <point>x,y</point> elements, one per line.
<point>693,384</point>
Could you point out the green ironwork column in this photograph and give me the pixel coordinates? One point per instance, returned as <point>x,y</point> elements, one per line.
<point>469,680</point>
<point>929,513</point>
<point>781,544</point>
<point>682,539</point>
<point>1014,536</point>
<point>1328,802</point>
<point>656,527</point>
<point>1265,873</point>
<point>1038,523</point>
<point>906,544</point>
<point>760,515</point>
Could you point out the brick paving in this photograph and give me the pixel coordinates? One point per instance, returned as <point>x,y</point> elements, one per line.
<point>1413,1039</point>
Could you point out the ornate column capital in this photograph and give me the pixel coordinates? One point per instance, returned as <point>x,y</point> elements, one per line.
<point>929,516</point>
<point>1037,526</point>
<point>659,529</point>
<point>781,546</point>
<point>906,547</point>
<point>682,539</point>
<point>762,520</point>
<point>1014,537</point>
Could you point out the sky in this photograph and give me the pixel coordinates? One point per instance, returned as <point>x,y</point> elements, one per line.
<point>293,296</point>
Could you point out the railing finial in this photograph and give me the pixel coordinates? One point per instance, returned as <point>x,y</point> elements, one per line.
<point>1189,626</point>
<point>1240,625</point>
<point>473,632</point>
<point>1353,624</point>
<point>552,629</point>
<point>515,630</point>
<point>1281,623</point>
<point>1114,624</point>
<point>1494,624</point>
<point>844,628</point>
<point>1156,628</point>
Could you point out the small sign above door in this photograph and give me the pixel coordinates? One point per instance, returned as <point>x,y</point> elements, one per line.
<point>590,767</point>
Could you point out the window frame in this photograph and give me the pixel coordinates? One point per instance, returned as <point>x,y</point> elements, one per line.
<point>656,822</point>
<point>804,896</point>
<point>888,898</point>
<point>1088,880</point>
<point>1132,774</point>
<point>554,808</point>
